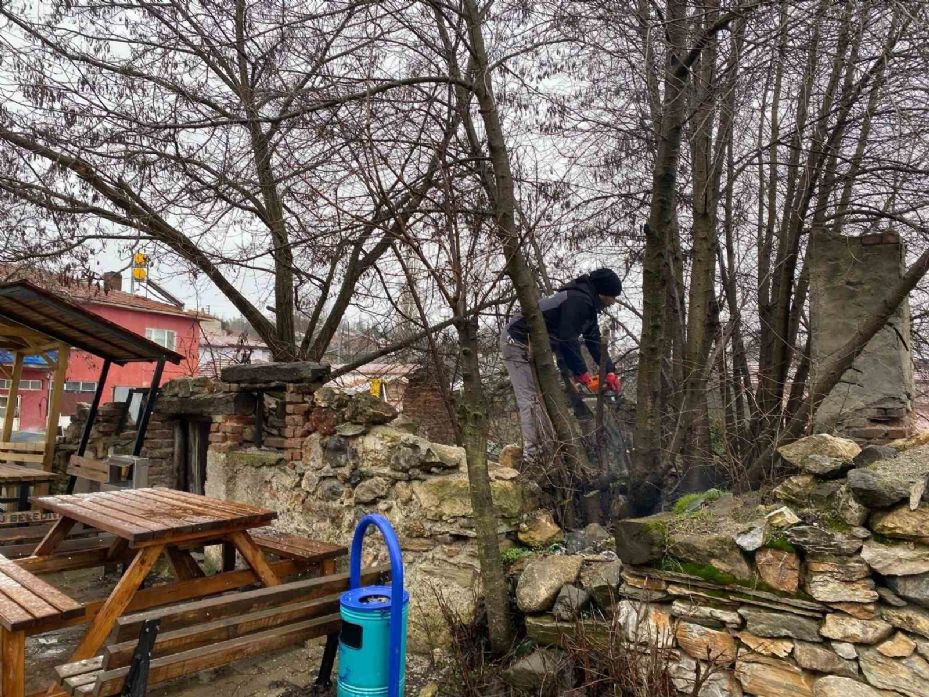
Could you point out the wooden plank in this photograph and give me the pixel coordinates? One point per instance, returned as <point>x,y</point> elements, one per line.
<point>64,561</point>
<point>116,603</point>
<point>12,616</point>
<point>70,670</point>
<point>295,547</point>
<point>72,685</point>
<point>55,537</point>
<point>224,653</point>
<point>13,660</point>
<point>72,544</point>
<point>241,603</point>
<point>234,508</point>
<point>21,457</point>
<point>88,468</point>
<point>178,511</point>
<point>54,405</point>
<point>12,393</point>
<point>22,447</point>
<point>167,518</point>
<point>73,507</point>
<point>184,565</point>
<point>26,599</point>
<point>120,655</point>
<point>47,592</point>
<point>255,558</point>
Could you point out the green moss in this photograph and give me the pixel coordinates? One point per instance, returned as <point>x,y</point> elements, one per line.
<point>707,572</point>
<point>836,524</point>
<point>779,541</point>
<point>688,502</point>
<point>514,554</point>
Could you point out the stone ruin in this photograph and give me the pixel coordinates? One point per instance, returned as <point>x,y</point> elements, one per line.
<point>849,277</point>
<point>817,588</point>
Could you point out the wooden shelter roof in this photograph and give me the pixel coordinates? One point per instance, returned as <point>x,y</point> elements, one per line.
<point>36,320</point>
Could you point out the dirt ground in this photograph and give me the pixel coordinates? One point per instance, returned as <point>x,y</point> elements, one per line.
<point>286,673</point>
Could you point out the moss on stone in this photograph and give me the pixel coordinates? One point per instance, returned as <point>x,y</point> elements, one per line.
<point>780,542</point>
<point>255,458</point>
<point>707,572</point>
<point>687,502</point>
<point>514,554</point>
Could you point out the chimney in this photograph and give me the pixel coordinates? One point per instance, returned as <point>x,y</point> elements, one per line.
<point>112,280</point>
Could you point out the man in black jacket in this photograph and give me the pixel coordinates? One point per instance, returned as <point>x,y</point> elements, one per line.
<point>569,314</point>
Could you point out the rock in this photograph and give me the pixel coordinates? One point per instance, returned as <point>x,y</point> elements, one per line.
<point>873,453</point>
<point>646,582</point>
<point>540,583</point>
<point>772,677</point>
<point>914,441</point>
<point>641,540</point>
<point>715,682</point>
<point>890,598</point>
<point>816,540</point>
<point>782,518</point>
<point>901,523</point>
<point>368,410</point>
<point>511,456</point>
<point>778,625</point>
<point>780,648</point>
<point>835,686</point>
<point>902,559</point>
<point>860,611</point>
<point>601,580</point>
<point>429,690</point>
<point>539,530</point>
<point>503,474</point>
<point>824,466</point>
<point>831,498</point>
<point>834,586</point>
<point>844,649</point>
<point>449,496</point>
<point>909,676</point>
<point>875,491</point>
<point>898,646</point>
<point>778,568</point>
<point>706,644</point>
<point>330,490</point>
<point>544,672</point>
<point>265,373</point>
<point>854,631</point>
<point>848,508</point>
<point>371,490</point>
<point>819,444</point>
<point>706,613</point>
<point>406,424</point>
<point>912,588</point>
<point>350,430</point>
<point>718,551</point>
<point>595,535</point>
<point>641,594</point>
<point>819,659</point>
<point>751,539</point>
<point>911,619</point>
<point>645,624</point>
<point>570,602</point>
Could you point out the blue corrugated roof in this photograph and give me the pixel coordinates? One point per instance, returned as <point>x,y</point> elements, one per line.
<point>6,358</point>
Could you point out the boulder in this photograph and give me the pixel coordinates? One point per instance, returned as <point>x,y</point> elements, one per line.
<point>777,625</point>
<point>645,624</point>
<point>887,482</point>
<point>901,523</point>
<point>819,659</point>
<point>875,491</point>
<point>901,559</point>
<point>898,646</point>
<point>909,676</point>
<point>688,610</point>
<point>836,686</point>
<point>539,529</point>
<point>570,603</point>
<point>910,619</point>
<point>824,466</point>
<point>779,568</point>
<point>816,540</point>
<point>781,518</point>
<point>595,535</point>
<point>772,677</point>
<point>601,580</point>
<point>545,672</point>
<point>717,550</point>
<point>706,644</point>
<point>874,453</point>
<point>841,627</point>
<point>780,648</point>
<point>912,588</point>
<point>542,580</point>
<point>449,496</point>
<point>914,441</point>
<point>510,456</point>
<point>368,410</point>
<point>819,444</point>
<point>641,540</point>
<point>751,539</point>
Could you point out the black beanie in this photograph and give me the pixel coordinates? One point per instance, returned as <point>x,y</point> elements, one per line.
<point>606,282</point>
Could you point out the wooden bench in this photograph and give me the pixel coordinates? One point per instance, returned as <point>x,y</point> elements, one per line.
<point>22,453</point>
<point>206,634</point>
<point>27,603</point>
<point>21,471</point>
<point>112,472</point>
<point>288,546</point>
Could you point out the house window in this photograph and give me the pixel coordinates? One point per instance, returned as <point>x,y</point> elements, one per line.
<point>162,337</point>
<point>3,402</point>
<point>80,386</point>
<point>23,385</point>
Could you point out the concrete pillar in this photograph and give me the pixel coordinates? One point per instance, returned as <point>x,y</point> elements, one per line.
<point>849,276</point>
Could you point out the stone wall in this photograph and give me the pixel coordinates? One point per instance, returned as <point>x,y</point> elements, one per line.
<point>849,277</point>
<point>819,588</point>
<point>354,458</point>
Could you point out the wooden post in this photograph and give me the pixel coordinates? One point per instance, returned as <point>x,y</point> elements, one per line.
<point>13,657</point>
<point>11,396</point>
<point>54,406</point>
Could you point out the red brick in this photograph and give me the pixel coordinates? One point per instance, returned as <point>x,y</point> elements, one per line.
<point>293,443</point>
<point>297,408</point>
<point>217,438</point>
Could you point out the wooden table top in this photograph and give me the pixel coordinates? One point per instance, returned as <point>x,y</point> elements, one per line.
<point>12,474</point>
<point>147,517</point>
<point>26,600</point>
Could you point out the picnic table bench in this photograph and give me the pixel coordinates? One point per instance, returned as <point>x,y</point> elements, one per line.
<point>15,474</point>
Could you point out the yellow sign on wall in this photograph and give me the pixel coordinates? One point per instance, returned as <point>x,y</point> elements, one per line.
<point>376,387</point>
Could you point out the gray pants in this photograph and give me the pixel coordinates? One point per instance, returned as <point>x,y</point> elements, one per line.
<point>533,421</point>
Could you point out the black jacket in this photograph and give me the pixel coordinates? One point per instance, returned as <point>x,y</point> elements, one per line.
<point>569,314</point>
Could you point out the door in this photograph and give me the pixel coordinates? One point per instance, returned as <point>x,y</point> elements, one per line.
<point>191,440</point>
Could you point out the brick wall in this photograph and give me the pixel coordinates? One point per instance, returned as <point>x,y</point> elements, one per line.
<point>424,404</point>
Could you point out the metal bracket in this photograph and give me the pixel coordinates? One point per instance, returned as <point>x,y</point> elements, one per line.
<point>137,679</point>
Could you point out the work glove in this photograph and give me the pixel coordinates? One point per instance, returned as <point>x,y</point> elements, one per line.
<point>612,383</point>
<point>585,380</point>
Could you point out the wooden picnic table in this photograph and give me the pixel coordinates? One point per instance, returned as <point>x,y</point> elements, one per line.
<point>146,524</point>
<point>22,478</point>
